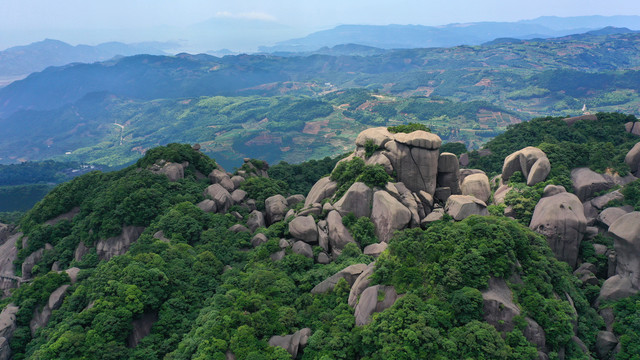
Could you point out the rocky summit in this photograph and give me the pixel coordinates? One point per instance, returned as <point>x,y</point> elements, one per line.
<point>401,251</point>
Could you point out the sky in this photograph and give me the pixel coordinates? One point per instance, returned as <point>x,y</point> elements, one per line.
<point>92,21</point>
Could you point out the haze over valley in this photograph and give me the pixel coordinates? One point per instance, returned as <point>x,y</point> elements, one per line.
<point>319,180</point>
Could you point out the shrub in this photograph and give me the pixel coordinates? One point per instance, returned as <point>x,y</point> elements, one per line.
<point>408,128</point>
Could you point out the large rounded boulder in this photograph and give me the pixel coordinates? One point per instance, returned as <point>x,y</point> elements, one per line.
<point>356,200</point>
<point>388,215</point>
<point>476,185</point>
<point>523,161</point>
<point>560,218</point>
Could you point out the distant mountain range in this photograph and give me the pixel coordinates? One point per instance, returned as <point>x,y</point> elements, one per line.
<point>24,60</point>
<point>419,36</point>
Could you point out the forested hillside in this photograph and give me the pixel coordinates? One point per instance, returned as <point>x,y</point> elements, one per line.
<point>396,251</point>
<point>295,108</point>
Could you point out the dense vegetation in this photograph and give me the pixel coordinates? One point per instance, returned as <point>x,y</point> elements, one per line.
<point>211,292</point>
<point>307,107</point>
<point>599,145</point>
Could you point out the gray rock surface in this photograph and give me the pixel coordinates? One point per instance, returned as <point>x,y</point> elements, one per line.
<point>118,245</point>
<point>259,239</point>
<point>539,171</point>
<point>238,196</point>
<point>322,189</point>
<point>339,235</point>
<point>521,160</point>
<point>388,215</point>
<point>616,287</point>
<point>476,185</point>
<point>207,205</point>
<point>349,274</point>
<point>560,218</point>
<point>255,220</point>
<point>302,248</point>
<point>378,135</point>
<point>323,235</point>
<point>498,306</point>
<point>357,200</point>
<point>609,215</point>
<point>66,216</point>
<point>501,193</point>
<point>462,206</point>
<point>586,183</point>
<point>605,343</point>
<point>237,181</point>
<point>292,343</point>
<point>551,190</point>
<point>8,321</point>
<point>81,251</point>
<point>375,249</point>
<point>415,166</point>
<point>294,200</point>
<point>220,177</point>
<point>172,171</point>
<point>41,318</point>
<point>600,201</point>
<point>275,207</point>
<point>8,254</point>
<point>30,262</point>
<point>73,274</point>
<point>535,334</point>
<point>304,228</point>
<point>633,158</point>
<point>361,283</point>
<point>323,258</point>
<point>220,196</point>
<point>448,172</point>
<point>626,234</point>
<point>237,228</point>
<point>369,302</point>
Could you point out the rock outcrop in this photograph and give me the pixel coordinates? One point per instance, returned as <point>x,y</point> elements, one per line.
<point>524,161</point>
<point>476,185</point>
<point>586,183</point>
<point>30,262</point>
<point>357,200</point>
<point>498,306</point>
<point>349,274</point>
<point>626,233</point>
<point>304,228</point>
<point>8,254</point>
<point>388,215</point>
<point>118,245</point>
<point>275,207</point>
<point>615,288</point>
<point>220,196</point>
<point>255,220</point>
<point>560,218</point>
<point>338,234</point>
<point>374,299</point>
<point>460,207</point>
<point>448,172</point>
<point>414,158</point>
<point>322,189</point>
<point>633,159</point>
<point>292,343</point>
<point>41,318</point>
<point>220,177</point>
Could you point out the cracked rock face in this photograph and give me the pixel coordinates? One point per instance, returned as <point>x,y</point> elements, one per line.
<point>414,157</point>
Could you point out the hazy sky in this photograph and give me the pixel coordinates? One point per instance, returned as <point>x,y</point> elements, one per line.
<point>25,19</point>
